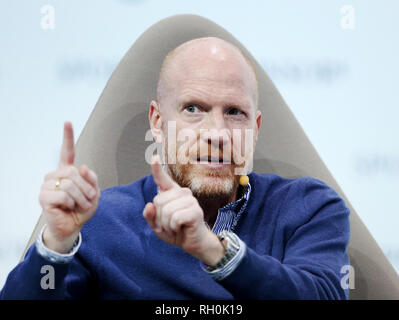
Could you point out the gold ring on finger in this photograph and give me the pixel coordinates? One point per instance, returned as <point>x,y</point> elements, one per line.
<point>58,183</point>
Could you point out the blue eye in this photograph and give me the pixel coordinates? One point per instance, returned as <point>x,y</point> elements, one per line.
<point>235,111</point>
<point>191,108</point>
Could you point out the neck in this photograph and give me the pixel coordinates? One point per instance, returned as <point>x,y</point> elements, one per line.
<point>211,205</point>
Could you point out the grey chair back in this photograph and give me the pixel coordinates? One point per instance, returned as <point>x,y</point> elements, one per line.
<point>113,141</point>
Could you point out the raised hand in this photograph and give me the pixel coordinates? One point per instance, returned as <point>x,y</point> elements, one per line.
<point>177,218</point>
<point>68,196</point>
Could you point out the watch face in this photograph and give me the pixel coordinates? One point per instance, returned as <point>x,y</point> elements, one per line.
<point>232,246</point>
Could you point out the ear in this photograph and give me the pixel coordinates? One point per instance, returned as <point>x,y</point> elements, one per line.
<point>258,120</point>
<point>154,116</point>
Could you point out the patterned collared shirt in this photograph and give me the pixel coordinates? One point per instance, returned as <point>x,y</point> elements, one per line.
<point>227,219</point>
<point>229,215</point>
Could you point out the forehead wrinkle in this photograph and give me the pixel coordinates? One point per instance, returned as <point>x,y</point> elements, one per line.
<point>212,95</point>
<point>212,86</point>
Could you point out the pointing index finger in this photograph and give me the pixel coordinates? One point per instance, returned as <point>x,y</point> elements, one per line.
<point>162,179</point>
<point>68,145</point>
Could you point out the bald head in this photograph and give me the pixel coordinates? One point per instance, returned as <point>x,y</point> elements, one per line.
<point>206,59</point>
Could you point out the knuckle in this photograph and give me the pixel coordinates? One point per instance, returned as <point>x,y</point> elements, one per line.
<point>71,171</point>
<point>68,184</point>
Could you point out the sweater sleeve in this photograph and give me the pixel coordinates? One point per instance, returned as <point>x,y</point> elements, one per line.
<point>35,278</point>
<point>314,254</point>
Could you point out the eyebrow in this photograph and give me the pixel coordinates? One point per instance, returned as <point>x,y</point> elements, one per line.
<point>195,100</point>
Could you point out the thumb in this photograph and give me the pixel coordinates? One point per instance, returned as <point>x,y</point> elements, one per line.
<point>162,179</point>
<point>149,214</point>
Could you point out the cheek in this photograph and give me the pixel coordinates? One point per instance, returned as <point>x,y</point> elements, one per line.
<point>185,144</point>
<point>175,134</point>
<point>187,133</point>
<point>238,140</point>
<point>243,142</point>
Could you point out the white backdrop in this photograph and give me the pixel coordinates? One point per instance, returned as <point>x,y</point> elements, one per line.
<point>335,63</point>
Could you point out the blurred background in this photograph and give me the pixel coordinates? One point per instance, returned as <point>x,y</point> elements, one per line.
<point>334,62</point>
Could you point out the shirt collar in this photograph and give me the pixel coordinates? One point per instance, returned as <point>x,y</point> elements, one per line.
<point>234,205</point>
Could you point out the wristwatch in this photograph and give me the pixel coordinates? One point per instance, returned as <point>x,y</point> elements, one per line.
<point>231,244</point>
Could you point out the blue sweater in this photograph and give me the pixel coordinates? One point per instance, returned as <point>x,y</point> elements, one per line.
<point>296,232</point>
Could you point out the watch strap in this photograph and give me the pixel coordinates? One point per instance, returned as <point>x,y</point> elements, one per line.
<point>232,247</point>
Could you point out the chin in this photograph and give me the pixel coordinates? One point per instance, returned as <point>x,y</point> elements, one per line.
<point>203,182</point>
<point>212,186</point>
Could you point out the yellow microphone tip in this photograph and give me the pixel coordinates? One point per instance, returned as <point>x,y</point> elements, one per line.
<point>244,180</point>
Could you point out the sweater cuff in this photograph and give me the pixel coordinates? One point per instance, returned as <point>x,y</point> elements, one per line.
<point>53,256</point>
<point>222,273</point>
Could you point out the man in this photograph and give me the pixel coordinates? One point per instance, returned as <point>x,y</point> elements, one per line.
<point>197,228</point>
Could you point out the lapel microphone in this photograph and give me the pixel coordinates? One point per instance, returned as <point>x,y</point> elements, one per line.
<point>244,180</point>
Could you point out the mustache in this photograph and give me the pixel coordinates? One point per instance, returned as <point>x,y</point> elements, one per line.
<point>212,155</point>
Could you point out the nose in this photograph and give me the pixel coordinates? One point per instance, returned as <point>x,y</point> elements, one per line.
<point>216,132</point>
<point>218,138</point>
